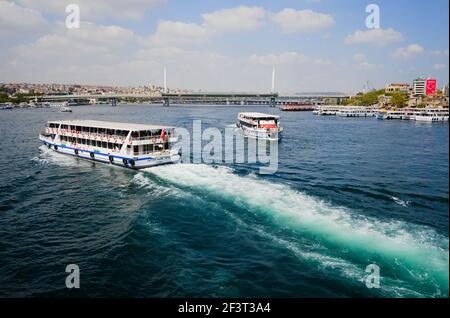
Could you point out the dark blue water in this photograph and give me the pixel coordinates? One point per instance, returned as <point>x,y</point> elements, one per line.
<point>348,193</point>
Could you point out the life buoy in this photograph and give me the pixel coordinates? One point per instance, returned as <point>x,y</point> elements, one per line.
<point>111,159</point>
<point>125,162</point>
<point>92,155</point>
<point>132,163</point>
<point>49,146</point>
<point>76,151</point>
<point>56,147</point>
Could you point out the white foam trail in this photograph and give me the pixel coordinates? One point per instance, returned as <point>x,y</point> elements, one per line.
<point>417,246</point>
<point>48,156</point>
<point>153,188</point>
<point>400,201</point>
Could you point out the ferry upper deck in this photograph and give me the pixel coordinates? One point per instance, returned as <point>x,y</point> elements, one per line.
<point>73,124</point>
<point>256,115</point>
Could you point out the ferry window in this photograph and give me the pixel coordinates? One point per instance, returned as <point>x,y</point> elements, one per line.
<point>83,141</point>
<point>94,130</point>
<point>135,134</point>
<point>110,132</point>
<point>78,128</point>
<point>136,150</point>
<point>85,129</point>
<point>104,145</point>
<point>99,143</point>
<point>78,141</point>
<point>110,145</point>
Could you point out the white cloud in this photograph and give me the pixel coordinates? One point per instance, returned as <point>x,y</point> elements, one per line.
<point>374,37</point>
<point>439,53</point>
<point>237,19</point>
<point>408,52</point>
<point>439,66</point>
<point>278,59</point>
<point>89,44</point>
<point>178,33</point>
<point>299,21</point>
<point>359,57</point>
<point>98,9</point>
<point>14,19</point>
<point>170,33</point>
<point>287,58</point>
<point>367,66</point>
<point>362,64</point>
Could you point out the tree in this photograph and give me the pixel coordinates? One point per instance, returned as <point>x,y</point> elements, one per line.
<point>398,100</point>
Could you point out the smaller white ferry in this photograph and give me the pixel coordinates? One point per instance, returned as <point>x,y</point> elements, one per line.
<point>259,125</point>
<point>134,146</point>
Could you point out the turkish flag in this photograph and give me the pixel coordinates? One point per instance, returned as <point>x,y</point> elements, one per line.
<point>430,87</point>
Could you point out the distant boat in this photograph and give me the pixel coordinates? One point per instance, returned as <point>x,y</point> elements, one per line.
<point>66,109</point>
<point>296,107</point>
<point>259,126</point>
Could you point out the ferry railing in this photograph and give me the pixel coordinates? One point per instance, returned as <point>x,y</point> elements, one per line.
<point>106,137</point>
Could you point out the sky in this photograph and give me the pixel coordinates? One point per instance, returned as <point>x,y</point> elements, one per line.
<point>225,45</point>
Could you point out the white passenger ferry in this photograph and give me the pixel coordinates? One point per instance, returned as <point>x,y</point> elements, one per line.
<point>432,115</point>
<point>134,146</point>
<point>394,114</point>
<point>326,110</point>
<point>355,111</point>
<point>259,125</point>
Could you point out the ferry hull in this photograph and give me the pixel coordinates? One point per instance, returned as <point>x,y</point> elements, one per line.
<point>111,159</point>
<point>431,119</point>
<point>258,134</point>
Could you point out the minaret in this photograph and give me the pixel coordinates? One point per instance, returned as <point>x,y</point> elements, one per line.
<point>273,80</point>
<point>165,81</point>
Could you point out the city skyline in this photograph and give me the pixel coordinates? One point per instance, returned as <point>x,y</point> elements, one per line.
<point>315,45</point>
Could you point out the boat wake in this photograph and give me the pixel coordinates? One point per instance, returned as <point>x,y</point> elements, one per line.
<point>412,254</point>
<point>400,201</point>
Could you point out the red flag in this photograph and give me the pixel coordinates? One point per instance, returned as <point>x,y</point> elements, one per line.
<point>163,134</point>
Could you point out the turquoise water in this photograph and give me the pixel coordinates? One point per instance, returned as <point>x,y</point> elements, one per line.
<point>348,193</point>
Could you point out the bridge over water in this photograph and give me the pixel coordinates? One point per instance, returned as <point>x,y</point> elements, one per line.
<point>222,98</point>
<point>225,98</point>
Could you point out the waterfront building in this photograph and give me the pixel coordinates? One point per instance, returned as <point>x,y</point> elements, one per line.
<point>424,87</point>
<point>419,87</point>
<point>397,87</point>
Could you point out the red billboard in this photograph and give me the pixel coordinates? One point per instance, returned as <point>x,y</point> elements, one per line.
<point>430,87</point>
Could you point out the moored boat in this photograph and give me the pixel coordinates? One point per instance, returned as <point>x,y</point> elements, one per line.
<point>66,109</point>
<point>355,111</point>
<point>134,146</point>
<point>296,107</point>
<point>432,115</point>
